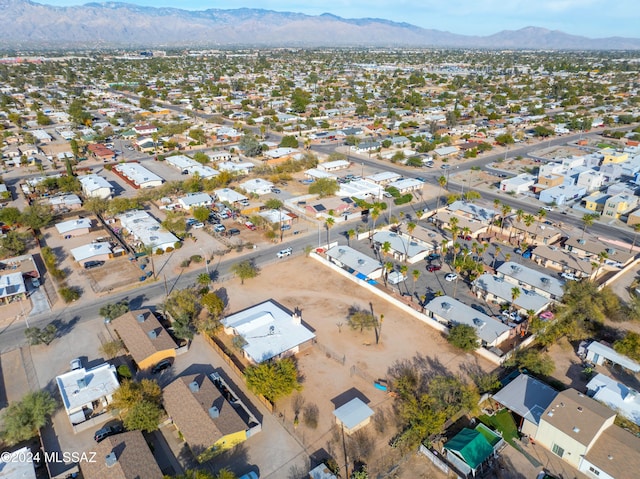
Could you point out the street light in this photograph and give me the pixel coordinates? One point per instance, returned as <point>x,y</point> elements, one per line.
<point>206,261</point>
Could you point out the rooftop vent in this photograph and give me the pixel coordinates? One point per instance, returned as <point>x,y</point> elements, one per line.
<point>152,334</point>
<point>479,323</point>
<point>272,330</point>
<point>140,318</point>
<point>576,429</point>
<point>550,414</point>
<point>446,306</point>
<point>214,412</point>
<point>111,459</point>
<point>582,241</point>
<point>611,251</point>
<point>194,387</point>
<point>580,409</point>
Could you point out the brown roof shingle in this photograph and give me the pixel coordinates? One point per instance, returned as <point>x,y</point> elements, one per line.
<point>133,459</point>
<point>577,415</point>
<point>617,453</point>
<point>190,412</point>
<point>135,334</point>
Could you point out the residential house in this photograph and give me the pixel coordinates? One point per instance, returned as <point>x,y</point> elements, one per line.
<point>618,256</point>
<point>599,354</point>
<point>451,312</point>
<point>383,178</point>
<point>137,175</point>
<point>144,337</point>
<point>531,280</point>
<point>591,180</point>
<point>206,419</point>
<point>401,247</point>
<point>445,151</point>
<point>355,262</point>
<point>472,211</point>
<point>316,174</point>
<point>278,217</point>
<point>556,258</point>
<point>362,189</point>
<point>92,252</point>
<point>527,398</point>
<point>86,393</point>
<point>64,203</point>
<point>242,168</point>
<point>257,186</point>
<point>76,227</point>
<point>194,200</point>
<point>95,186</point>
<point>220,156</point>
<point>334,165</point>
<point>633,218</point>
<point>619,204</point>
<point>269,331</point>
<point>121,456</point>
<point>610,155</point>
<point>101,152</point>
<point>12,286</point>
<point>227,195</point>
<point>595,201</point>
<point>20,464</point>
<point>406,185</point>
<point>547,181</point>
<point>146,129</point>
<point>147,230</point>
<point>619,397</point>
<point>518,184</point>
<point>562,194</point>
<point>534,234</point>
<point>494,289</point>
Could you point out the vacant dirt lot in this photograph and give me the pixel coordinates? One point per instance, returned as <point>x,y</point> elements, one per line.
<point>344,363</point>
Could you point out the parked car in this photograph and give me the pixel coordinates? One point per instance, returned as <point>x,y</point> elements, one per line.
<point>285,252</point>
<point>433,257</point>
<point>197,225</point>
<point>569,276</point>
<point>219,228</point>
<point>445,167</point>
<point>434,267</point>
<point>547,208</point>
<point>250,225</point>
<point>276,191</point>
<point>467,238</point>
<point>518,251</point>
<point>233,232</point>
<point>35,282</point>
<point>161,366</point>
<point>451,277</point>
<point>107,431</point>
<point>93,264</point>
<point>285,227</point>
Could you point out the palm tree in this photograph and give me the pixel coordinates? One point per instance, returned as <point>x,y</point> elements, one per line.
<point>386,248</point>
<point>515,294</point>
<point>466,231</point>
<point>350,234</point>
<point>328,223</point>
<point>375,212</point>
<point>410,227</point>
<point>415,274</point>
<point>456,250</point>
<point>506,209</point>
<point>203,279</point>
<point>388,267</point>
<point>602,257</point>
<point>587,220</point>
<point>442,181</point>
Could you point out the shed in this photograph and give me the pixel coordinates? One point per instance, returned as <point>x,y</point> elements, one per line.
<point>353,415</point>
<point>469,446</point>
<point>597,353</point>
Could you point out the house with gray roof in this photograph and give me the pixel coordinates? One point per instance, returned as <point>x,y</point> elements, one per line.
<point>355,262</point>
<point>531,279</point>
<point>451,312</point>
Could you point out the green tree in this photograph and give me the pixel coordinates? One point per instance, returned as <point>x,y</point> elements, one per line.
<point>114,310</point>
<point>464,337</point>
<point>299,100</point>
<point>289,141</point>
<point>37,216</point>
<point>324,187</point>
<point>201,213</point>
<point>587,220</point>
<point>13,244</point>
<point>273,380</point>
<point>183,305</point>
<point>24,418</point>
<point>138,403</point>
<point>45,336</point>
<point>533,361</point>
<point>361,319</point>
<point>111,348</point>
<point>250,146</point>
<point>245,270</point>
<point>10,215</point>
<point>629,345</point>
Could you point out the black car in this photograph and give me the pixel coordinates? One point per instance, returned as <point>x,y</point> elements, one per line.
<point>233,232</point>
<point>433,257</point>
<point>93,264</point>
<point>107,431</point>
<point>161,366</point>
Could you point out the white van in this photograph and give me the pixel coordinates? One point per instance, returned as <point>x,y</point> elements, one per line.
<point>395,277</point>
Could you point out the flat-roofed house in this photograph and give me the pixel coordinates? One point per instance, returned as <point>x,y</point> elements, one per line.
<point>146,229</point>
<point>87,392</point>
<point>92,252</point>
<point>355,262</point>
<point>76,227</point>
<point>144,337</point>
<point>269,331</point>
<point>194,200</point>
<point>528,278</point>
<point>619,397</point>
<point>137,175</point>
<point>95,186</point>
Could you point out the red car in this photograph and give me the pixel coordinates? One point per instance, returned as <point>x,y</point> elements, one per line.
<point>467,238</point>
<point>434,267</point>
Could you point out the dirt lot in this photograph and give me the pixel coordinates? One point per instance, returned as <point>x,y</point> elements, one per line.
<point>344,363</point>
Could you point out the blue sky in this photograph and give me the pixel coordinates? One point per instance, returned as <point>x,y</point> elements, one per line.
<point>591,18</point>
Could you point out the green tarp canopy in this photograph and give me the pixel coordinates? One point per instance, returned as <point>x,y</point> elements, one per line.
<point>471,446</point>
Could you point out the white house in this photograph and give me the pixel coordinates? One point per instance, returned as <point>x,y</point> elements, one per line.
<point>257,186</point>
<point>193,200</point>
<point>334,165</point>
<point>138,175</point>
<point>243,168</point>
<point>269,331</point>
<point>92,252</point>
<point>87,392</point>
<point>619,397</point>
<point>518,184</point>
<point>146,229</point>
<point>355,262</point>
<point>76,227</point>
<point>95,186</point>
<point>229,196</point>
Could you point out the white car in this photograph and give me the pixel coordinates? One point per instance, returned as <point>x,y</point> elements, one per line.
<point>284,253</point>
<point>197,225</point>
<point>569,276</point>
<point>547,208</point>
<point>451,277</point>
<point>219,229</point>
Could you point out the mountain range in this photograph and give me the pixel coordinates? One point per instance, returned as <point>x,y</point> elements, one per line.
<point>31,25</point>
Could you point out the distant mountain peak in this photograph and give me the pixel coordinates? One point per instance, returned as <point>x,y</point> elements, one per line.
<point>36,25</point>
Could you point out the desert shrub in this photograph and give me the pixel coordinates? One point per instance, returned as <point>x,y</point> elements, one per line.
<point>124,371</point>
<point>310,415</point>
<point>196,258</point>
<point>69,294</point>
